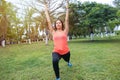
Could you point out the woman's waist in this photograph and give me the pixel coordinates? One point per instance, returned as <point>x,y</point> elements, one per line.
<point>61,50</point>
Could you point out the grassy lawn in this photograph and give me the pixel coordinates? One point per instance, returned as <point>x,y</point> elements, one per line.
<point>92,60</point>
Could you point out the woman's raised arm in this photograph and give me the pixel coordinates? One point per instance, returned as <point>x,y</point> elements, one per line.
<point>67,17</point>
<point>48,18</point>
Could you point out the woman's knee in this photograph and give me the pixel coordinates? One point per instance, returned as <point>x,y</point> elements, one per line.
<point>55,57</point>
<point>55,60</point>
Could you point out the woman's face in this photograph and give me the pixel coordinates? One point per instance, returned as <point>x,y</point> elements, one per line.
<point>58,24</point>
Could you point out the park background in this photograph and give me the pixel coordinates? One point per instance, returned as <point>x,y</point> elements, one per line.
<point>26,44</point>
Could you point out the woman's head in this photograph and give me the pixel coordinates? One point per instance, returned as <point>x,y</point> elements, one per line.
<point>59,25</point>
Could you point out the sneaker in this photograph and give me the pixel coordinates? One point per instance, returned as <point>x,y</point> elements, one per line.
<point>69,64</point>
<point>57,78</point>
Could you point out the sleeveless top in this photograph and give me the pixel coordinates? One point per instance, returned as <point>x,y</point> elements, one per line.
<point>60,43</point>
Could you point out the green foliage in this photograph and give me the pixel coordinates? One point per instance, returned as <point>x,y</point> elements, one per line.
<point>93,16</point>
<point>117,3</point>
<point>118,13</point>
<point>3,18</point>
<point>84,18</point>
<point>8,21</point>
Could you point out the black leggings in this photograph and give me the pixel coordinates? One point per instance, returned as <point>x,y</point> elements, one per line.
<point>55,60</point>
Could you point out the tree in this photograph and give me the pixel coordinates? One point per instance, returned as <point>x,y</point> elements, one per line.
<point>89,17</point>
<point>28,23</point>
<point>117,3</point>
<point>76,15</point>
<point>3,18</point>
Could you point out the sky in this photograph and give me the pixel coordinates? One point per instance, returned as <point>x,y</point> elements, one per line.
<point>18,2</point>
<point>98,1</point>
<point>110,2</point>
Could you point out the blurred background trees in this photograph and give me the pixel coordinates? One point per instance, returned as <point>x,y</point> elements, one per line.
<point>29,24</point>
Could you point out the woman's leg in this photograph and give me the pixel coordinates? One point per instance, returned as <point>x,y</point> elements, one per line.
<point>55,60</point>
<point>66,57</point>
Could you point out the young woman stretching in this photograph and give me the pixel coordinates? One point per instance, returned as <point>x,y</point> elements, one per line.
<point>61,49</point>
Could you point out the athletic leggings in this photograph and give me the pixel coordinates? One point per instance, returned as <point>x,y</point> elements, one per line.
<point>55,60</point>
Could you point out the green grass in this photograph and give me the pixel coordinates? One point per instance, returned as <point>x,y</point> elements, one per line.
<point>92,60</point>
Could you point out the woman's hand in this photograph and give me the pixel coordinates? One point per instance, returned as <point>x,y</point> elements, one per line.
<point>67,4</point>
<point>67,17</point>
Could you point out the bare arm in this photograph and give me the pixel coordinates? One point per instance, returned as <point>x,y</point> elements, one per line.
<point>67,18</point>
<point>48,18</point>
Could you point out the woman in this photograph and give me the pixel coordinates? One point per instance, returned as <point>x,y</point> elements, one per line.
<point>61,49</point>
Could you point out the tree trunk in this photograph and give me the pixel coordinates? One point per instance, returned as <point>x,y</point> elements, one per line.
<point>29,41</point>
<point>92,36</point>
<point>46,40</point>
<point>91,33</point>
<point>3,43</point>
<point>46,37</point>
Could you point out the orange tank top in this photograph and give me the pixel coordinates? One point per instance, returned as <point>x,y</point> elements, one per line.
<point>60,43</point>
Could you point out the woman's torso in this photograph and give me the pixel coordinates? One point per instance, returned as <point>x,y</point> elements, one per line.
<point>60,42</point>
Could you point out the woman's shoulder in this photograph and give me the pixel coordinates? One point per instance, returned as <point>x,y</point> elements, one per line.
<point>65,32</point>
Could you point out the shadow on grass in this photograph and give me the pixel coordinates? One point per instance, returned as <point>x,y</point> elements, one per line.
<point>96,41</point>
